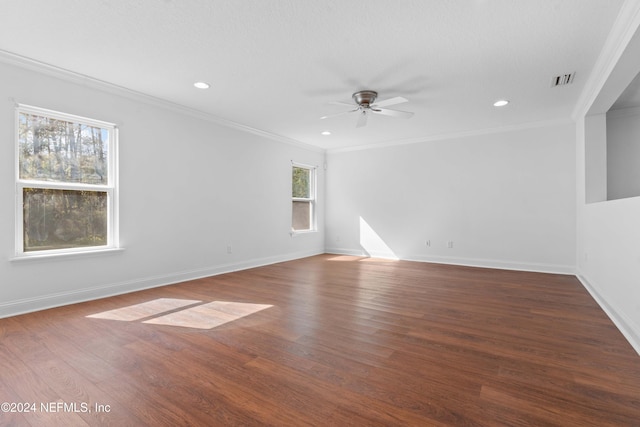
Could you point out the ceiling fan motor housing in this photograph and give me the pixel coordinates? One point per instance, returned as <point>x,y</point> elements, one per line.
<point>365,97</point>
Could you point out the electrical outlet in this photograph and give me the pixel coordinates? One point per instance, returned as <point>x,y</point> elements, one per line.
<point>229,249</point>
<point>427,243</point>
<point>450,244</point>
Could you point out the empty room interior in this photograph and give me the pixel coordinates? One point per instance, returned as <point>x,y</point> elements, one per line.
<point>329,213</point>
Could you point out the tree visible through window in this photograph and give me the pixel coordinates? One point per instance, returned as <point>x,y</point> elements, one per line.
<point>66,182</point>
<point>303,198</point>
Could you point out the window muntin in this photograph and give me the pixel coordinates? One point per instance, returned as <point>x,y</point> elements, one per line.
<point>303,198</point>
<point>65,183</point>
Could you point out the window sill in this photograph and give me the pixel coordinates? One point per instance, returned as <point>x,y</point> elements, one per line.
<point>301,232</point>
<point>64,255</point>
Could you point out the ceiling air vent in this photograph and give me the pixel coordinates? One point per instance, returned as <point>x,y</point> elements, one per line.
<point>562,79</point>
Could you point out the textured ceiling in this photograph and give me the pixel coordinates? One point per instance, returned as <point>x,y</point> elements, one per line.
<point>275,65</point>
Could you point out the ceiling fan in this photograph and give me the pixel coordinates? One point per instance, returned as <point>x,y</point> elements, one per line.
<point>365,100</point>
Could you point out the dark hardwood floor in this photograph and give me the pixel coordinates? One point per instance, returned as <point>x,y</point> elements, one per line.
<point>327,341</point>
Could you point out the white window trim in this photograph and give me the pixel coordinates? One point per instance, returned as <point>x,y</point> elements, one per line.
<point>313,199</point>
<point>111,188</point>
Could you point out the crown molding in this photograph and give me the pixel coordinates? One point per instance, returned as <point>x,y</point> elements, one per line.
<point>455,135</point>
<point>77,78</point>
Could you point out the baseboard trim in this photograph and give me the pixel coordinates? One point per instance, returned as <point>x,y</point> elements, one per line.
<point>626,326</point>
<point>29,305</point>
<point>468,262</point>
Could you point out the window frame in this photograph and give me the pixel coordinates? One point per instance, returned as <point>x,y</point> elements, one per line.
<point>110,188</point>
<point>312,199</point>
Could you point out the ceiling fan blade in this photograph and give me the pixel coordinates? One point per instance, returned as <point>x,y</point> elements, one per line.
<point>362,120</point>
<point>390,101</point>
<point>328,116</point>
<point>348,104</point>
<point>392,113</point>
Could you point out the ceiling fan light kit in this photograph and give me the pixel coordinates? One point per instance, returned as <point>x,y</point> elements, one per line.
<point>365,104</point>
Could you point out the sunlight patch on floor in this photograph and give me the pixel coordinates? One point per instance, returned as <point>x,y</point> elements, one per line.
<point>145,309</point>
<point>344,258</point>
<point>170,311</point>
<point>352,258</point>
<point>208,316</point>
<point>379,260</point>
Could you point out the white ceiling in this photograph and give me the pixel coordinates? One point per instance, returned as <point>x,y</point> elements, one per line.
<point>275,65</point>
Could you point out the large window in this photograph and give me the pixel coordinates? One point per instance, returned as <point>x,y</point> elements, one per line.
<point>65,183</point>
<point>303,198</point>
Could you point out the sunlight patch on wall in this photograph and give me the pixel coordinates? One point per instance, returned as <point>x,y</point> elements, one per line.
<point>172,312</point>
<point>372,243</point>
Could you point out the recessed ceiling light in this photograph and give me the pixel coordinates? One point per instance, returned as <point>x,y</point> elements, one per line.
<point>201,85</point>
<point>500,103</point>
<point>326,132</point>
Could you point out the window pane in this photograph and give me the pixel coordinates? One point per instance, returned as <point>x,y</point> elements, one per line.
<point>60,219</point>
<point>301,216</point>
<point>62,151</point>
<point>301,182</point>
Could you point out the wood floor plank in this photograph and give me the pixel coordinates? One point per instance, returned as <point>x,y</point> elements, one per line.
<point>34,389</point>
<point>9,416</point>
<point>330,340</point>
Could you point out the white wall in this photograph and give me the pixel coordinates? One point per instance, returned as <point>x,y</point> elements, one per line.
<point>608,258</point>
<point>623,153</point>
<point>608,232</point>
<point>188,187</point>
<point>504,199</point>
<point>595,160</point>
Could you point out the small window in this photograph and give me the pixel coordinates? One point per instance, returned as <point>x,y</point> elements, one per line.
<point>65,183</point>
<point>303,198</point>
